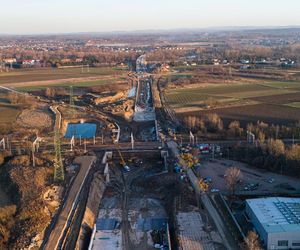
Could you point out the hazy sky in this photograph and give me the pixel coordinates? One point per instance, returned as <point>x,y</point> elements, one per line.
<point>56,16</point>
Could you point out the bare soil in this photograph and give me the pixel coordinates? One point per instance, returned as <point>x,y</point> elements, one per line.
<point>34,119</point>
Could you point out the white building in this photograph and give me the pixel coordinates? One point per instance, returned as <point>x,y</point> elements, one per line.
<point>276,220</point>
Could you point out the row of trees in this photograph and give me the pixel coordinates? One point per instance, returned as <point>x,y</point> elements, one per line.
<point>236,51</point>
<point>271,155</point>
<point>19,99</point>
<point>212,123</point>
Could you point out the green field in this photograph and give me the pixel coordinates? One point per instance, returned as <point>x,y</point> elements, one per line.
<point>223,92</point>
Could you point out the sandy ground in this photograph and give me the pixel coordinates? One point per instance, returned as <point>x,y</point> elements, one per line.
<point>109,99</point>
<point>217,168</point>
<point>34,119</point>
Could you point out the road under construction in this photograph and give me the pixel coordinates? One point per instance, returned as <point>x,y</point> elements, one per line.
<point>142,157</point>
<point>124,193</point>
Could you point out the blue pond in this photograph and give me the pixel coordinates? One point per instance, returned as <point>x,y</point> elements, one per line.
<point>83,130</point>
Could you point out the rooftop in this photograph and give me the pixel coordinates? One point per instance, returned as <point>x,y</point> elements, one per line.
<point>277,214</point>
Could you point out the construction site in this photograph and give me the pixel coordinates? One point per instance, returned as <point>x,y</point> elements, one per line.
<point>99,168</point>
<point>108,180</point>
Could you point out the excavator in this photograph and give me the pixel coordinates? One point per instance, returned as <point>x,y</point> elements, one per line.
<point>123,162</point>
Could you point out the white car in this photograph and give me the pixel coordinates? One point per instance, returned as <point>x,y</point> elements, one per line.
<point>214,190</point>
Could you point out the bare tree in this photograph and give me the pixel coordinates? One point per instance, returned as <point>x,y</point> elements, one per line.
<point>50,92</point>
<point>232,178</point>
<point>235,129</point>
<point>261,137</point>
<point>252,241</point>
<point>276,147</point>
<point>14,98</point>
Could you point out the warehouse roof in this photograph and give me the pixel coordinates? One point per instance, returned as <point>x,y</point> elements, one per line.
<point>277,214</point>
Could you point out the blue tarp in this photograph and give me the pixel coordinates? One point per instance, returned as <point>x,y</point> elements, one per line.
<point>83,130</point>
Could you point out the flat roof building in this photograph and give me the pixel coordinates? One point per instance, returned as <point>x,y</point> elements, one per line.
<point>276,220</point>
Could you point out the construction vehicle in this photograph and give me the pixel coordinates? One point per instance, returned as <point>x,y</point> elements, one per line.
<point>123,162</point>
<point>204,186</point>
<point>188,160</point>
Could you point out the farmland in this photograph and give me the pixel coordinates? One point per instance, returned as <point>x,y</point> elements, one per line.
<point>44,85</point>
<point>272,102</point>
<point>294,104</point>
<point>38,79</point>
<point>31,75</point>
<point>8,112</point>
<point>276,114</point>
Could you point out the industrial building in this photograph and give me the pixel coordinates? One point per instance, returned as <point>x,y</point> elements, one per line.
<point>276,220</point>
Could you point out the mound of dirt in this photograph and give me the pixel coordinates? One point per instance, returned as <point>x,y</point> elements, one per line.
<point>128,108</point>
<point>110,99</point>
<point>34,119</point>
<point>28,185</point>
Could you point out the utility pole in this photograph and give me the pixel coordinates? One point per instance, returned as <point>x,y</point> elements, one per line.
<point>72,143</point>
<point>250,137</point>
<point>35,148</point>
<point>293,139</point>
<point>2,142</point>
<point>192,138</point>
<point>132,142</point>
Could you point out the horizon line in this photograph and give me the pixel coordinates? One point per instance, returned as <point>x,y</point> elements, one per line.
<point>209,28</point>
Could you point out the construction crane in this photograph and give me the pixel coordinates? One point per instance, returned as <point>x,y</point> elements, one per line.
<point>123,162</point>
